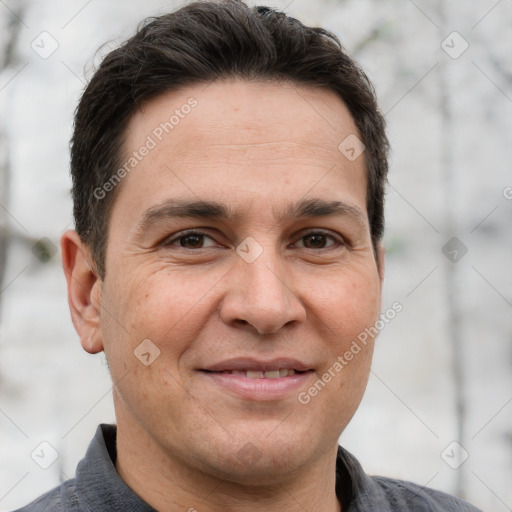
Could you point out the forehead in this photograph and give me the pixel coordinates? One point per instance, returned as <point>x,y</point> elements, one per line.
<point>260,111</point>
<point>235,140</point>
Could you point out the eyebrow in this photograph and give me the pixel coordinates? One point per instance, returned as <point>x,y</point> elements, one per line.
<point>315,207</point>
<point>198,209</point>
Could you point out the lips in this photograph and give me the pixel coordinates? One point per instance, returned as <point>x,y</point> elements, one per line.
<point>260,374</point>
<point>255,367</point>
<point>257,379</point>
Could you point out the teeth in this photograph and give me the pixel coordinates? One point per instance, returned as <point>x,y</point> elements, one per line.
<point>254,375</point>
<point>271,374</point>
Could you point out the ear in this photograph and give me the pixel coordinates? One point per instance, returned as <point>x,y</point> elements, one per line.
<point>84,291</point>
<point>382,258</point>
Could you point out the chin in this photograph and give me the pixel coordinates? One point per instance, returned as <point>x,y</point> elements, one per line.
<point>251,466</point>
<point>259,454</point>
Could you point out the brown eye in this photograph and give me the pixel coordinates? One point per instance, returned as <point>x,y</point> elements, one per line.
<point>315,241</point>
<point>191,240</point>
<point>319,240</point>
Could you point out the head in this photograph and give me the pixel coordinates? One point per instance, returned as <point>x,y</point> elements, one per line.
<point>228,170</point>
<point>199,44</point>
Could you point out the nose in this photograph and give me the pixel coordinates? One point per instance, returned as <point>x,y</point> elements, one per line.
<point>261,297</point>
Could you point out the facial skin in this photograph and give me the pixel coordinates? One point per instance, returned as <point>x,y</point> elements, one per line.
<point>183,438</point>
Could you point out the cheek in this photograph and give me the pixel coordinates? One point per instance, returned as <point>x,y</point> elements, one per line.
<point>165,307</point>
<point>349,308</point>
<point>347,304</point>
<point>151,321</point>
<point>346,309</point>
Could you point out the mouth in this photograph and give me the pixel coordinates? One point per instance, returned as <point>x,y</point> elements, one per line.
<point>259,380</point>
<point>260,374</point>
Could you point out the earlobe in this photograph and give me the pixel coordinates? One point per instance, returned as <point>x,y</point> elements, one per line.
<point>84,291</point>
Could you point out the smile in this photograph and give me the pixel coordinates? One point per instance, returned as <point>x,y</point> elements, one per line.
<point>258,385</point>
<point>260,374</point>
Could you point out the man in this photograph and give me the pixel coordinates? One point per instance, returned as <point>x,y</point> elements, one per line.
<point>228,172</point>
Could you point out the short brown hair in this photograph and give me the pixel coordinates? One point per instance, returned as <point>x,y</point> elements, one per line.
<point>199,43</point>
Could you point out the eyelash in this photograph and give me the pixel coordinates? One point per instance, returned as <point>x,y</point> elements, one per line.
<point>183,234</point>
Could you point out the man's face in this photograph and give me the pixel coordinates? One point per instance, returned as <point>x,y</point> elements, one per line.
<point>265,288</point>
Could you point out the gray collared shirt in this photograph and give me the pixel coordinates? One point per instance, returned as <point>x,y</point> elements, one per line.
<point>98,488</point>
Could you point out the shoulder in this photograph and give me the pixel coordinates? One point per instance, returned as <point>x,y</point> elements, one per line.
<point>61,499</point>
<point>359,492</point>
<point>403,495</point>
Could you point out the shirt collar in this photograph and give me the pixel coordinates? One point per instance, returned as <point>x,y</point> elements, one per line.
<point>357,491</point>
<point>99,486</point>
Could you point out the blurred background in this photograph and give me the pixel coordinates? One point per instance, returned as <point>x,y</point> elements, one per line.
<point>438,408</point>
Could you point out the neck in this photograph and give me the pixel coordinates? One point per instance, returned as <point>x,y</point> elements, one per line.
<point>169,484</point>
